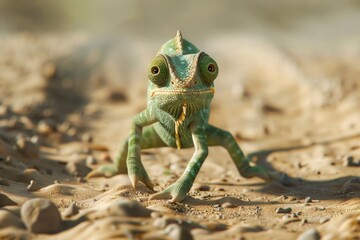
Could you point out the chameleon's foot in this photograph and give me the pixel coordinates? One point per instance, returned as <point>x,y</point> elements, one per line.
<point>104,171</point>
<point>138,174</point>
<point>257,172</point>
<point>176,191</point>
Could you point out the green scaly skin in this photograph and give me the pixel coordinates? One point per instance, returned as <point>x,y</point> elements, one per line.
<point>179,94</point>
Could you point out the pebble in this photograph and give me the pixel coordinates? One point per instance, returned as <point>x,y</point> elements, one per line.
<point>177,232</point>
<point>77,168</point>
<point>4,181</point>
<point>321,208</point>
<point>283,210</point>
<point>349,161</point>
<point>227,205</point>
<point>90,160</point>
<point>72,210</point>
<point>308,200</point>
<point>311,234</point>
<point>202,188</point>
<point>33,186</point>
<point>303,221</point>
<point>8,160</point>
<point>46,126</point>
<point>125,207</point>
<point>163,222</point>
<point>87,138</point>
<point>6,201</point>
<point>40,215</point>
<point>27,147</point>
<point>156,215</point>
<point>9,219</point>
<point>324,220</point>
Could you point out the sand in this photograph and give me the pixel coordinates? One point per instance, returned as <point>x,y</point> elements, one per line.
<point>66,106</point>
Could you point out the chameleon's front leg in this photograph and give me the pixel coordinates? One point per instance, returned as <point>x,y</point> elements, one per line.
<point>178,190</point>
<point>219,137</point>
<point>136,170</point>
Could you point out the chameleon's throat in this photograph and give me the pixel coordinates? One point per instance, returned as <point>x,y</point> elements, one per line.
<point>178,123</point>
<point>177,92</point>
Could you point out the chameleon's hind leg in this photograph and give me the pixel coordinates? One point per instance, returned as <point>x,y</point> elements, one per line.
<point>149,139</point>
<point>219,137</point>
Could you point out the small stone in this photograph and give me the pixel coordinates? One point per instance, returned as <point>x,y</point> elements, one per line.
<point>6,201</point>
<point>227,205</point>
<point>33,186</point>
<point>90,160</point>
<point>156,215</point>
<point>203,188</point>
<point>311,234</point>
<point>308,200</point>
<point>77,168</point>
<point>349,161</point>
<point>177,232</point>
<point>4,181</point>
<point>324,220</point>
<point>127,208</point>
<point>8,160</point>
<point>320,208</point>
<point>163,222</point>
<point>87,138</point>
<point>30,149</point>
<point>40,215</point>
<point>283,210</point>
<point>46,126</point>
<point>9,219</point>
<point>303,221</point>
<point>72,210</point>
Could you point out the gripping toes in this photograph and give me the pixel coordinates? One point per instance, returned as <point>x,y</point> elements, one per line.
<point>137,173</point>
<point>176,192</point>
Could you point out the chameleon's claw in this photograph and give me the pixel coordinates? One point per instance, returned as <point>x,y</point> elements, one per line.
<point>103,171</point>
<point>135,179</point>
<point>177,192</point>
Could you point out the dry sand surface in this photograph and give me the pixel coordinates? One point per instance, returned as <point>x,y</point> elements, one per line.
<point>66,105</point>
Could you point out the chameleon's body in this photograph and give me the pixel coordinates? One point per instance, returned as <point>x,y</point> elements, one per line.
<point>179,95</point>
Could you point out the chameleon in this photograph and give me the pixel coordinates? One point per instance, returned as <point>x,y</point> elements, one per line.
<point>180,90</point>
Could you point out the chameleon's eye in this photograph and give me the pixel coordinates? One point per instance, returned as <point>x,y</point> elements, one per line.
<point>158,71</point>
<point>208,69</point>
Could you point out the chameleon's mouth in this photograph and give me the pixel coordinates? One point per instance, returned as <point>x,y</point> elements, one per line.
<point>181,92</point>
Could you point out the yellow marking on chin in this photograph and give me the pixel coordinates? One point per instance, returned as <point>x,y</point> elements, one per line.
<point>178,122</point>
<point>181,92</point>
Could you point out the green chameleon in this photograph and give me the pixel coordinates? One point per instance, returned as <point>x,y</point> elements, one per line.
<point>181,87</point>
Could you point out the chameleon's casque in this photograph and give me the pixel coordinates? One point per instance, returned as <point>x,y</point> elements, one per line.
<point>181,87</point>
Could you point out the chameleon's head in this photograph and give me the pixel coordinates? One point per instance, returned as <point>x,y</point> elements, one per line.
<point>181,75</point>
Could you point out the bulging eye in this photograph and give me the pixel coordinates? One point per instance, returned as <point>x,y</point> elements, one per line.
<point>208,69</point>
<point>158,71</point>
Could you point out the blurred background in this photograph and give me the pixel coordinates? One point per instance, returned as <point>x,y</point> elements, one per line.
<point>288,57</point>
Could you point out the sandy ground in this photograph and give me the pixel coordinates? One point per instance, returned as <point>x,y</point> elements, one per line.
<point>67,104</point>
